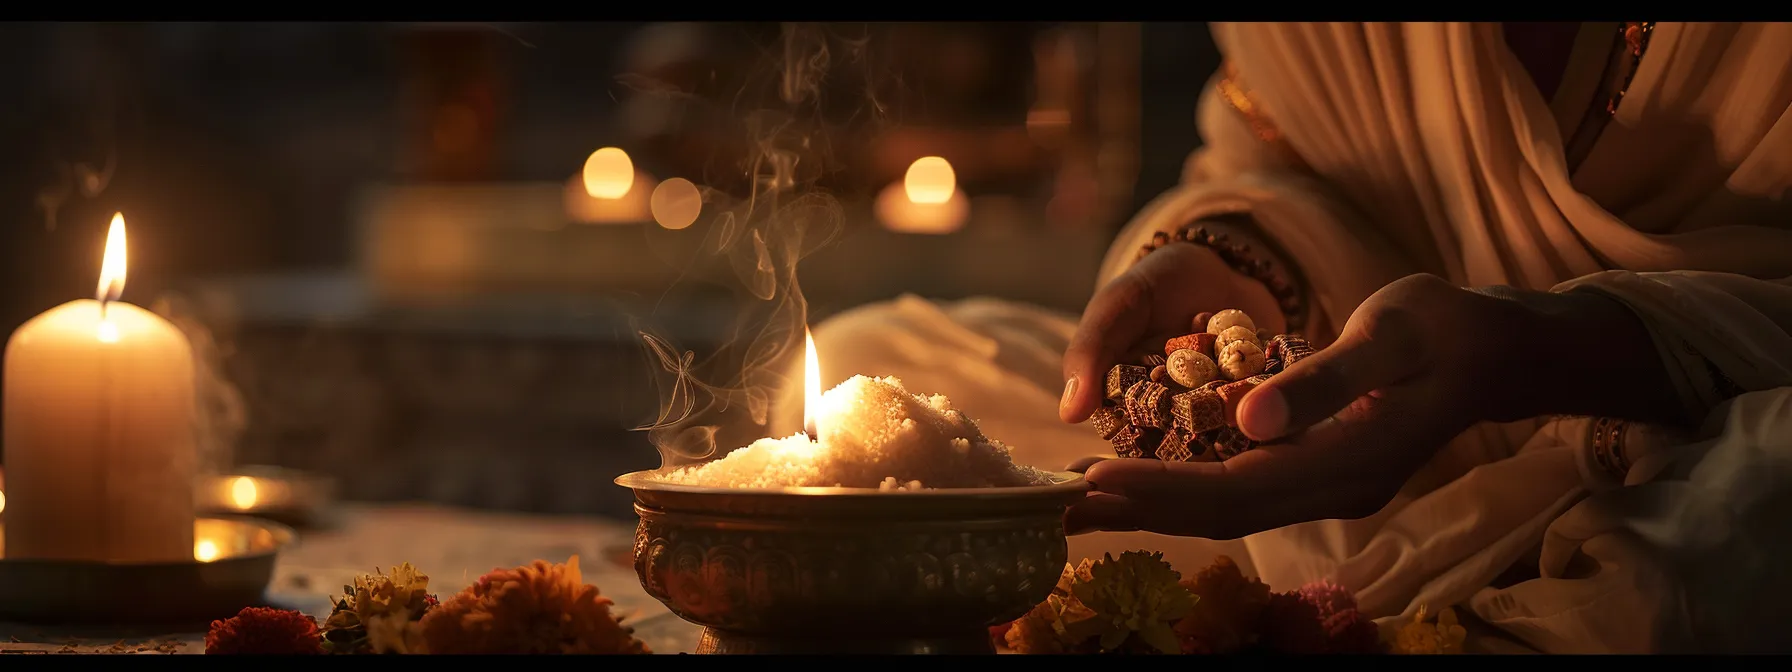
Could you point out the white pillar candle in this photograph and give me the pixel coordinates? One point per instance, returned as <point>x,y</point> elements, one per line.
<point>99,449</point>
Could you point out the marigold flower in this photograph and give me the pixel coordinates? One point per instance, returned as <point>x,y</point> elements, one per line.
<point>402,592</point>
<point>1226,617</point>
<point>535,609</point>
<point>1419,637</point>
<point>264,631</point>
<point>1291,625</point>
<point>1351,632</point>
<point>1347,630</point>
<point>394,633</point>
<point>1137,594</point>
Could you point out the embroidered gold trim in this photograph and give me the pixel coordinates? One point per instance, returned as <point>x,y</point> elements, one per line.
<point>1629,44</point>
<point>1233,90</point>
<point>1636,40</point>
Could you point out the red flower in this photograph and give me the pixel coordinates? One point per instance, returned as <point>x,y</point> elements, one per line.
<point>998,634</point>
<point>1291,625</point>
<point>1350,632</point>
<point>264,631</point>
<point>1347,630</point>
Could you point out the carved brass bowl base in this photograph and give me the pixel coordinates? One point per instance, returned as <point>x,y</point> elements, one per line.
<point>725,643</point>
<point>844,570</point>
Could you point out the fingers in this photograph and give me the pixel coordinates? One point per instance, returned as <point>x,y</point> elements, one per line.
<point>1325,383</point>
<point>1345,469</point>
<point>1082,464</point>
<point>1101,512</point>
<point>1115,319</point>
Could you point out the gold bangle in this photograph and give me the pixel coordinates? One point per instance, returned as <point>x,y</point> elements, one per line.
<point>1607,438</point>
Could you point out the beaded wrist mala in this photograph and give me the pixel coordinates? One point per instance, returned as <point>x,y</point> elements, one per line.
<point>1279,278</point>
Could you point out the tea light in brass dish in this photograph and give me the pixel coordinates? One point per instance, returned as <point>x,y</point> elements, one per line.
<point>290,496</point>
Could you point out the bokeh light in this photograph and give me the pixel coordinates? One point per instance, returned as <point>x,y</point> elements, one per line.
<point>676,203</point>
<point>609,173</point>
<point>930,180</point>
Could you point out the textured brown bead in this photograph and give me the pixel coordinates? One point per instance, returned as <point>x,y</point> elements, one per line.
<point>1232,393</point>
<point>1107,421</point>
<point>1148,405</point>
<point>1207,453</point>
<point>1198,410</point>
<point>1159,375</point>
<point>1174,448</point>
<point>1200,323</point>
<point>1122,377</point>
<point>1137,442</point>
<point>1201,342</point>
<point>1228,442</point>
<point>1289,348</point>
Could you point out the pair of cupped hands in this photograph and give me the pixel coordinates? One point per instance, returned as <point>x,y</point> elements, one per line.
<point>1341,431</point>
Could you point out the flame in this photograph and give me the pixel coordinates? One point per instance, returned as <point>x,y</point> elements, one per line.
<point>111,277</point>
<point>112,267</point>
<point>205,550</point>
<point>2,501</point>
<point>811,386</point>
<point>930,180</point>
<point>609,173</point>
<point>243,492</point>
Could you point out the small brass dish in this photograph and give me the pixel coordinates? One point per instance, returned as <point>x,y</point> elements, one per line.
<point>849,570</point>
<point>232,567</point>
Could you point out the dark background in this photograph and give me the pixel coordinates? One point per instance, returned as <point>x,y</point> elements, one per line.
<point>241,150</point>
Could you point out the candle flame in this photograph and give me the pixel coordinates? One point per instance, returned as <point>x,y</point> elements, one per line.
<point>112,267</point>
<point>205,550</point>
<point>2,501</point>
<point>609,173</point>
<point>811,386</point>
<point>243,492</point>
<point>930,180</point>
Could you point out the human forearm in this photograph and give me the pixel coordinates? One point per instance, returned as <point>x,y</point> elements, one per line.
<point>1583,353</point>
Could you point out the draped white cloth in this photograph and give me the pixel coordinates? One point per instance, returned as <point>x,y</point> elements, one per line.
<point>1427,149</point>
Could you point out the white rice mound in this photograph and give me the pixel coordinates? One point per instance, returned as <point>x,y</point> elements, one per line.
<point>875,434</point>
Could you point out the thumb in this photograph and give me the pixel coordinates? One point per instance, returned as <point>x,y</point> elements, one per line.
<point>1323,384</point>
<point>1113,322</point>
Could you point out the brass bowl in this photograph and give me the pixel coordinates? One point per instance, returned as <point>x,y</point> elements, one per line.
<point>849,570</point>
<point>232,566</point>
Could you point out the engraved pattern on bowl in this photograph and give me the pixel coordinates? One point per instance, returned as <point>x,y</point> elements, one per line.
<point>818,561</point>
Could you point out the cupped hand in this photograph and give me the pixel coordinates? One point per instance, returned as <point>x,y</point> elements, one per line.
<point>1342,430</point>
<point>1155,300</point>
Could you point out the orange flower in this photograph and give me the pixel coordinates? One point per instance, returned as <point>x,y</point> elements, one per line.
<point>541,608</point>
<point>1226,616</point>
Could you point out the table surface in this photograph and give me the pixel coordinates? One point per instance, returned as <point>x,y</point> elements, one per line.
<point>452,546</point>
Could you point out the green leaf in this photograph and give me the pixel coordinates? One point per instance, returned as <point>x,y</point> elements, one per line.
<point>1161,637</point>
<point>1113,638</point>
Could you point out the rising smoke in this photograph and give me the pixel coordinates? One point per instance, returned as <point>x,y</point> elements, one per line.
<point>780,215</point>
